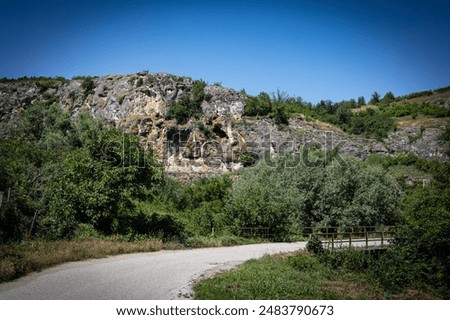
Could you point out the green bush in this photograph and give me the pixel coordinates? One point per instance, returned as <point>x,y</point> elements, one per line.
<point>164,226</point>
<point>314,245</point>
<point>88,85</point>
<point>371,124</point>
<point>189,105</point>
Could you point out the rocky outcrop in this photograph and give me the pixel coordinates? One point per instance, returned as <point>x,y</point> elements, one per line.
<point>221,141</point>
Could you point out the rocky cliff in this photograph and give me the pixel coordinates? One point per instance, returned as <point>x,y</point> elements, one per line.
<point>221,140</point>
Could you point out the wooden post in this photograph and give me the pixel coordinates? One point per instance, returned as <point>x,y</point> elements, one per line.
<point>32,223</point>
<point>350,239</point>
<point>367,238</point>
<point>382,237</point>
<point>212,231</point>
<point>332,242</point>
<point>1,198</point>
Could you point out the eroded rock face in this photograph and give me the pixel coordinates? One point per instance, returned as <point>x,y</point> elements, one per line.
<point>219,141</point>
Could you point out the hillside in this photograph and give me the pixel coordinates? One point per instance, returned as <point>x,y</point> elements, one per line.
<point>219,137</point>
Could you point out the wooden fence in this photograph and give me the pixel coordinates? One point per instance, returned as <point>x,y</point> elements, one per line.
<point>366,237</point>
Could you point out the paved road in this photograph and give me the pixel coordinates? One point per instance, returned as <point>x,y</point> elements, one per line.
<point>156,275</point>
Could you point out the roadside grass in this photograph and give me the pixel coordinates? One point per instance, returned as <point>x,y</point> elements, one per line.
<point>293,277</point>
<point>219,241</point>
<point>20,259</point>
<point>17,260</point>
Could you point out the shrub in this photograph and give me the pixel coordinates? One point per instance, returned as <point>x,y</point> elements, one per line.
<point>371,124</point>
<point>88,85</point>
<point>314,245</point>
<point>189,104</point>
<point>163,226</point>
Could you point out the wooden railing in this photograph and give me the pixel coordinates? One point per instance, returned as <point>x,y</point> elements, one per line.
<point>367,237</point>
<point>331,237</point>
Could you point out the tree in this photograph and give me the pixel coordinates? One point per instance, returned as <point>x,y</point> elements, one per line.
<point>420,257</point>
<point>388,97</point>
<point>251,106</point>
<point>361,101</point>
<point>343,115</point>
<point>21,181</point>
<point>375,98</point>
<point>97,183</point>
<point>279,115</point>
<point>287,195</point>
<point>264,104</point>
<point>189,104</point>
<point>371,124</point>
<point>264,197</point>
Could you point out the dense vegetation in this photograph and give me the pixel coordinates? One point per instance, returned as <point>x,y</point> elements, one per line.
<point>62,173</point>
<point>415,266</point>
<point>372,122</point>
<point>67,175</point>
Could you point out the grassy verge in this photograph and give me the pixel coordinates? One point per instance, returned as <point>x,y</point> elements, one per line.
<point>221,241</point>
<point>292,277</point>
<point>19,259</point>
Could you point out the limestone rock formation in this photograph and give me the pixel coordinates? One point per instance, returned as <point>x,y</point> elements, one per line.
<point>220,140</point>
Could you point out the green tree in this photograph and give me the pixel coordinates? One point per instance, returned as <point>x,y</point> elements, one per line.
<point>286,194</point>
<point>361,101</point>
<point>279,115</point>
<point>264,104</point>
<point>97,184</point>
<point>388,97</point>
<point>21,180</point>
<point>420,257</point>
<point>375,98</point>
<point>371,124</point>
<point>264,197</point>
<point>343,115</point>
<point>189,105</point>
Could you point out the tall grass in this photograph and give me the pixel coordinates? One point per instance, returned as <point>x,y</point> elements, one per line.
<point>19,259</point>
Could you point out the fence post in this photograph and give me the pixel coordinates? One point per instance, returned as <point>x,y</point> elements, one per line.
<point>332,242</point>
<point>350,238</point>
<point>367,238</point>
<point>382,236</point>
<point>212,231</point>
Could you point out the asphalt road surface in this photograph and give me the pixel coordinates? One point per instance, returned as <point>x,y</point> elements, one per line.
<point>140,276</point>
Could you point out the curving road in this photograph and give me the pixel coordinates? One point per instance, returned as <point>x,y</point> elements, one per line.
<point>141,276</point>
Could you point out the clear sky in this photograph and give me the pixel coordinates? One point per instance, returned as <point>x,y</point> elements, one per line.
<point>319,49</point>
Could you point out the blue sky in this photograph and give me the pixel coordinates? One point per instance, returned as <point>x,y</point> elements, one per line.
<point>314,49</point>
